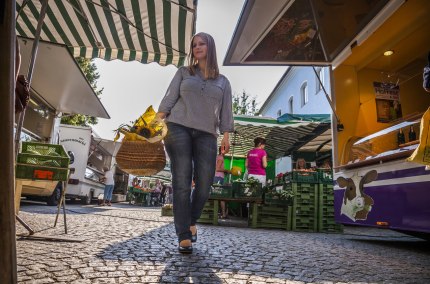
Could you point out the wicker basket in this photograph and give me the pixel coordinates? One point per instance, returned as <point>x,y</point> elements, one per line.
<point>141,158</point>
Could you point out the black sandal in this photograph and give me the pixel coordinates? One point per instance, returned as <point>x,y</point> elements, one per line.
<point>185,249</point>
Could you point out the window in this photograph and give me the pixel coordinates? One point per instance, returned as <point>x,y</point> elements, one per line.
<point>320,72</point>
<point>290,103</point>
<point>304,93</point>
<point>279,113</point>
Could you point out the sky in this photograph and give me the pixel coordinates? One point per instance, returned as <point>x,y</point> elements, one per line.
<point>130,87</point>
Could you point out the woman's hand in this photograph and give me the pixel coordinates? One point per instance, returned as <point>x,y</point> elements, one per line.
<point>225,143</point>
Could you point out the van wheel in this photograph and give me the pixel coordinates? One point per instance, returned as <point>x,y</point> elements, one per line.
<point>55,196</point>
<point>87,199</point>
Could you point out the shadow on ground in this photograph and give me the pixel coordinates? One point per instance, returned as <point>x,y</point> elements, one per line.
<point>157,248</point>
<point>268,254</point>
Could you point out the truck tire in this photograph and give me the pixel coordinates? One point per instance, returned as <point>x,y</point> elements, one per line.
<point>55,196</point>
<point>87,199</point>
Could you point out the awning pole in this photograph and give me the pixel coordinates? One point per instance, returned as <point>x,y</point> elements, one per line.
<point>330,102</point>
<point>30,71</point>
<point>7,88</point>
<point>232,156</point>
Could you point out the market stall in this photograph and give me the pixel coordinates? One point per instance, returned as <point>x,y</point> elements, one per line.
<point>281,202</point>
<point>377,51</point>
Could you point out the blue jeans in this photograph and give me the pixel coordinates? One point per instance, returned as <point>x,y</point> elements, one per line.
<point>108,192</point>
<point>191,152</point>
<point>218,180</point>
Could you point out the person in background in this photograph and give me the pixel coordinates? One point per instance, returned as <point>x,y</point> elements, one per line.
<point>256,161</point>
<point>326,164</point>
<point>156,191</point>
<point>197,107</point>
<point>163,194</point>
<point>219,179</point>
<point>169,194</point>
<point>135,182</point>
<point>109,184</point>
<point>301,164</point>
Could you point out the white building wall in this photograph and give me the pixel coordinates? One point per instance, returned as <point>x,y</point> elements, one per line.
<point>290,88</point>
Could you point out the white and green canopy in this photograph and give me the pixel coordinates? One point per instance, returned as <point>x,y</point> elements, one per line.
<point>142,30</point>
<point>283,135</point>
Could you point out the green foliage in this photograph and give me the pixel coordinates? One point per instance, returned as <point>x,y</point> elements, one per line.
<point>286,193</point>
<point>90,71</point>
<point>244,104</point>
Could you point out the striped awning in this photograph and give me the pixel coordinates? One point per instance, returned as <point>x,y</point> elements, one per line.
<point>282,138</point>
<point>142,30</point>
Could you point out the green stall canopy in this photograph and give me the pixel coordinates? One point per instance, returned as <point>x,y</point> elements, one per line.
<point>283,135</point>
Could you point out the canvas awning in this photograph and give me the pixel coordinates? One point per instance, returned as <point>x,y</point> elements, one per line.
<point>109,146</point>
<point>305,32</point>
<point>142,30</point>
<point>282,136</point>
<point>59,81</point>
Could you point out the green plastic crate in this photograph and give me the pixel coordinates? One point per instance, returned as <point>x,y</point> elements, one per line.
<point>241,191</point>
<point>304,177</point>
<point>273,216</point>
<point>221,191</point>
<point>41,154</point>
<point>166,211</point>
<point>325,176</point>
<point>34,172</point>
<point>275,199</point>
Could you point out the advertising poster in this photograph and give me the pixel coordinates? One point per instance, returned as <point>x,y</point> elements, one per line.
<point>388,106</point>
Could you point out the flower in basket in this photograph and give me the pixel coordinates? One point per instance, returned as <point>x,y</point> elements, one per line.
<point>146,127</point>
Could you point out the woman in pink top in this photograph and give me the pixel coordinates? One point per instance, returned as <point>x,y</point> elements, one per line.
<point>256,161</point>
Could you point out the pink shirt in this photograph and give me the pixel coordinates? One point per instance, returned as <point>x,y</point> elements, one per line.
<point>220,158</point>
<point>255,161</point>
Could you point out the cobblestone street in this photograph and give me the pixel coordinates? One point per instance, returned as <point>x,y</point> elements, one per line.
<point>130,244</point>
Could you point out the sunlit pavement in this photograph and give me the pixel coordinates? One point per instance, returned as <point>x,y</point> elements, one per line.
<point>132,244</point>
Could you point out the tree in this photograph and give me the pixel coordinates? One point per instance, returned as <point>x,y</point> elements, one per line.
<point>90,71</point>
<point>244,104</point>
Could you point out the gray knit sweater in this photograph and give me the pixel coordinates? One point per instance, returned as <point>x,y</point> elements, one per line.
<point>197,103</point>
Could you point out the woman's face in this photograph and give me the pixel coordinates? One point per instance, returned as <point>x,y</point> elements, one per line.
<point>200,48</point>
<point>301,163</point>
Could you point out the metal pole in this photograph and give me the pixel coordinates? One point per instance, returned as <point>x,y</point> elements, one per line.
<point>232,154</point>
<point>326,95</point>
<point>30,70</point>
<point>7,105</point>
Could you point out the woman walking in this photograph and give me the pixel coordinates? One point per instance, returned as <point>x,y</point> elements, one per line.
<point>197,106</point>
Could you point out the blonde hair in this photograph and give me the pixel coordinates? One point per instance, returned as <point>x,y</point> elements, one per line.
<point>212,70</point>
<point>299,160</point>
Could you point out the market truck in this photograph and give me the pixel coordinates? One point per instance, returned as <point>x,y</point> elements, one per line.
<point>91,154</point>
<point>52,93</point>
<point>376,52</point>
<point>380,100</point>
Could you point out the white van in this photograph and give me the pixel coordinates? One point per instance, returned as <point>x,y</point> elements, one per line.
<point>91,154</point>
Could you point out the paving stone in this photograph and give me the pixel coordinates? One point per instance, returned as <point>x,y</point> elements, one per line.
<point>67,278</point>
<point>131,244</point>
